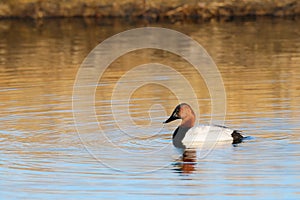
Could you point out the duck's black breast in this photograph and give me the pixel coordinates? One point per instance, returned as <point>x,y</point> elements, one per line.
<point>178,136</point>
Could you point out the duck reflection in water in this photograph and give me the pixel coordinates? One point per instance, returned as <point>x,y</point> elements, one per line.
<point>187,163</point>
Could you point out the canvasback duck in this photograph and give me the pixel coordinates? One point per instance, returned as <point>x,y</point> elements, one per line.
<point>187,133</point>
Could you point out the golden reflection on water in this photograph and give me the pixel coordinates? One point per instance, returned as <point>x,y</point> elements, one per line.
<point>39,63</point>
<point>150,93</point>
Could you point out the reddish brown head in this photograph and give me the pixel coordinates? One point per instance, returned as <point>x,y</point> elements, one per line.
<point>185,112</point>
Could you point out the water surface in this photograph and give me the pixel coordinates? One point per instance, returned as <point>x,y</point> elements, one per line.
<point>44,157</point>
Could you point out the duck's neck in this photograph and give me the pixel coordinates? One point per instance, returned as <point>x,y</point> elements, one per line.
<point>188,122</point>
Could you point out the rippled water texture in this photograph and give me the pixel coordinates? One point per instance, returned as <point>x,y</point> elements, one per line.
<point>44,157</point>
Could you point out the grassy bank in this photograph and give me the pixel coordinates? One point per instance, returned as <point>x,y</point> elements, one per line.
<point>151,9</point>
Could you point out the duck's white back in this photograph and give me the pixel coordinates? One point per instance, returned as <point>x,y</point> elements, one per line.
<point>205,133</point>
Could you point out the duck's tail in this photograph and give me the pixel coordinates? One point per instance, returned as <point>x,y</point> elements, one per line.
<point>237,137</point>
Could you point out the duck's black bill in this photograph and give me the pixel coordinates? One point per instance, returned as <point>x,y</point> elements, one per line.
<point>173,117</point>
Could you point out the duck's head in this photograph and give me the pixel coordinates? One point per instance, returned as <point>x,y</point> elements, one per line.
<point>183,111</point>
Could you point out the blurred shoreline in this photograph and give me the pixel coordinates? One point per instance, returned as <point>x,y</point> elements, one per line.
<point>173,10</point>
